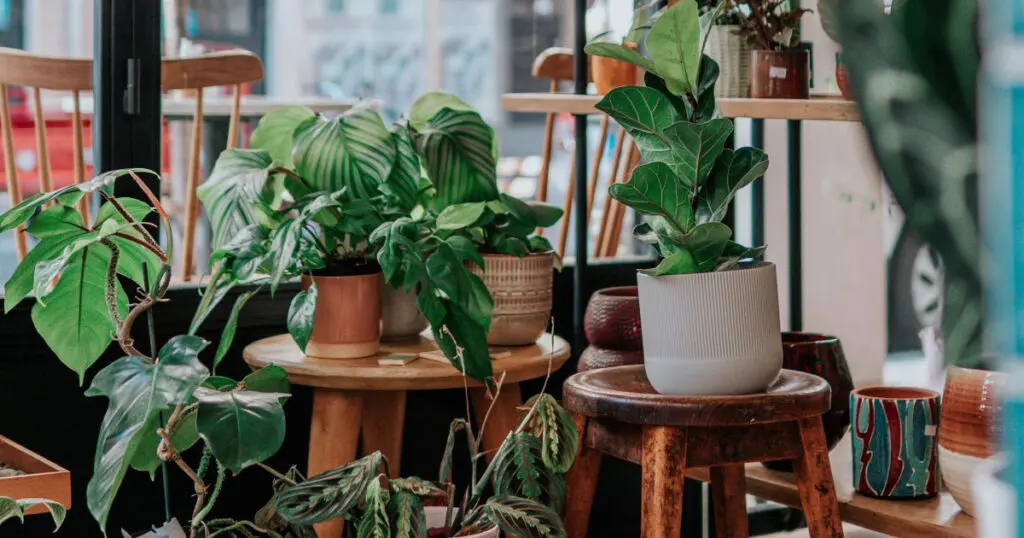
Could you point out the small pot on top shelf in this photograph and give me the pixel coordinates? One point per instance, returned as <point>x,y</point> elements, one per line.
<point>346,320</point>
<point>779,68</point>
<point>611,73</point>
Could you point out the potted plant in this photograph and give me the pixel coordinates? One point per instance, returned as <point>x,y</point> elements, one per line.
<point>493,232</point>
<point>520,492</point>
<point>779,69</point>
<point>728,48</point>
<point>162,401</point>
<point>609,70</point>
<point>710,308</point>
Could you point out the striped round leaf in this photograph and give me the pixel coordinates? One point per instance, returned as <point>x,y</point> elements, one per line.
<point>429,104</point>
<point>404,180</point>
<point>354,150</point>
<point>275,132</point>
<point>232,194</point>
<point>553,425</point>
<point>456,148</point>
<point>524,518</point>
<point>331,494</point>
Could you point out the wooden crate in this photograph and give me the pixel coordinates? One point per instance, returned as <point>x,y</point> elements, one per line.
<point>43,479</point>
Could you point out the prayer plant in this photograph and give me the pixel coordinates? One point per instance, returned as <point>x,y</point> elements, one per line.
<point>162,401</point>
<point>521,491</point>
<point>420,198</point>
<point>689,178</point>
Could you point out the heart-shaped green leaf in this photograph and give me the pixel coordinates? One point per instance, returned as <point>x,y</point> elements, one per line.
<point>242,428</point>
<point>270,378</point>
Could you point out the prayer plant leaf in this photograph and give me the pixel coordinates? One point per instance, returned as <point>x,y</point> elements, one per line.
<point>331,494</point>
<point>523,518</point>
<point>553,425</point>
<point>407,516</point>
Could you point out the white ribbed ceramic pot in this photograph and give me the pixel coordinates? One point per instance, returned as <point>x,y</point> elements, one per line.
<point>732,53</point>
<point>711,333</point>
<point>400,317</point>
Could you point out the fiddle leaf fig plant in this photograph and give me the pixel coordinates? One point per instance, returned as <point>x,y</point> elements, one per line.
<point>161,402</point>
<point>689,177</point>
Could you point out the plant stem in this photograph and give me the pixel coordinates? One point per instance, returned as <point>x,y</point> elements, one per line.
<point>197,520</point>
<point>276,473</point>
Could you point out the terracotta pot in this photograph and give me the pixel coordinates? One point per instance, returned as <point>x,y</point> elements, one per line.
<point>779,74</point>
<point>969,430</point>
<point>893,443</point>
<point>346,323</point>
<point>610,73</point>
<point>712,333</point>
<point>400,317</point>
<point>612,320</point>
<point>521,288</point>
<point>842,78</point>
<point>593,358</point>
<point>822,356</point>
<point>732,53</point>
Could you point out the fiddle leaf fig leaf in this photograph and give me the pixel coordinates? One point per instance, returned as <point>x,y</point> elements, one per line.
<point>525,518</point>
<point>733,171</point>
<point>137,390</point>
<point>241,427</point>
<point>352,151</point>
<point>331,494</point>
<point>680,262</point>
<point>232,194</point>
<point>674,45</point>
<point>275,132</point>
<point>300,316</point>
<point>621,52</point>
<point>655,190</point>
<point>456,148</point>
<point>644,112</point>
<point>695,147</point>
<point>706,243</point>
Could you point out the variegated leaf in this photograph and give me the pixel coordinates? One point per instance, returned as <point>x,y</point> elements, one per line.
<point>408,518</point>
<point>375,523</point>
<point>455,146</point>
<point>231,196</point>
<point>553,425</point>
<point>404,180</point>
<point>331,494</point>
<point>524,518</point>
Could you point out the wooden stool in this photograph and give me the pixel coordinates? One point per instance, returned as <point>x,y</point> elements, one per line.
<point>618,413</point>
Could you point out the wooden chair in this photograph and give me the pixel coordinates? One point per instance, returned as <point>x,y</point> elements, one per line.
<point>36,72</point>
<point>196,73</point>
<point>618,413</point>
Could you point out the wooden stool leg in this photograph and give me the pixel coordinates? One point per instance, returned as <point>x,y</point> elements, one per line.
<point>581,484</point>
<point>504,416</point>
<point>664,467</point>
<point>333,438</point>
<point>729,501</point>
<point>814,480</point>
<point>383,421</point>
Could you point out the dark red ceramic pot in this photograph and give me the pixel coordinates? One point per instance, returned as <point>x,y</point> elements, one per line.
<point>613,319</point>
<point>822,356</point>
<point>595,357</point>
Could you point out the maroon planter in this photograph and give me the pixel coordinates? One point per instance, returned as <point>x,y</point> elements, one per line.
<point>779,74</point>
<point>612,326</point>
<point>822,356</point>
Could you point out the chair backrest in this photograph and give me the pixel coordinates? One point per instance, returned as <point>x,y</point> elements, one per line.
<point>229,68</point>
<point>36,72</point>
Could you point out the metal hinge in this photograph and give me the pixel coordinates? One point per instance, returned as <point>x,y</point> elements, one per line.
<point>132,95</point>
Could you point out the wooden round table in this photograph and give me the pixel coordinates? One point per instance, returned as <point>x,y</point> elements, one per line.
<point>360,396</point>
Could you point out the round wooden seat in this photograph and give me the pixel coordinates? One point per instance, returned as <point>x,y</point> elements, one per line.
<point>623,393</point>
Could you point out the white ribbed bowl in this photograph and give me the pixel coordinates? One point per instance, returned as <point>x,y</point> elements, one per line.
<point>711,333</point>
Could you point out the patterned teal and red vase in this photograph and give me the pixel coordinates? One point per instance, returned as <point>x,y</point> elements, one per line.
<point>895,442</point>
<point>821,355</point>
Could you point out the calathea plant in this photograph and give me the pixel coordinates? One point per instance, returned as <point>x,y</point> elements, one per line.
<point>689,177</point>
<point>521,491</point>
<point>162,401</point>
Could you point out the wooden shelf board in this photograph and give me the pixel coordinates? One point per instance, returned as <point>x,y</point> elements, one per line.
<point>927,518</point>
<point>824,108</point>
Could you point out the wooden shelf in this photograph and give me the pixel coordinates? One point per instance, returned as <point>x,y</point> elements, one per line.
<point>42,479</point>
<point>928,518</point>
<point>823,108</point>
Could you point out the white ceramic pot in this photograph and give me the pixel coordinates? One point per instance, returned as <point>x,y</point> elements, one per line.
<point>400,317</point>
<point>435,520</point>
<point>994,501</point>
<point>711,333</point>
<point>732,53</point>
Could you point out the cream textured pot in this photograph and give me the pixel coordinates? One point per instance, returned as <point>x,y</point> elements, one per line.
<point>400,317</point>
<point>732,53</point>
<point>521,288</point>
<point>711,333</point>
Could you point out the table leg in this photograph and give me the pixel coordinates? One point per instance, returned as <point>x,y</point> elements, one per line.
<point>504,416</point>
<point>581,484</point>
<point>333,439</point>
<point>729,501</point>
<point>663,469</point>
<point>383,421</point>
<point>814,481</point>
